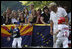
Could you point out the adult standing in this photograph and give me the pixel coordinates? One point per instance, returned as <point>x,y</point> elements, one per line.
<point>8,17</point>
<point>32,14</point>
<point>45,16</point>
<point>14,17</point>
<point>55,13</point>
<point>39,16</point>
<point>19,11</point>
<point>3,18</point>
<point>26,15</point>
<point>21,18</point>
<point>31,8</point>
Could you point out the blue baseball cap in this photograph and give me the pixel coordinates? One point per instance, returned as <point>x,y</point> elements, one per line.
<point>17,23</point>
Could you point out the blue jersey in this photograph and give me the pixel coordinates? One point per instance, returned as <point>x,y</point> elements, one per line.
<point>15,32</point>
<point>30,12</point>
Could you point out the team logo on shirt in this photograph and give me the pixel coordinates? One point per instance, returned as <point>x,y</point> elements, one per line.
<point>14,31</point>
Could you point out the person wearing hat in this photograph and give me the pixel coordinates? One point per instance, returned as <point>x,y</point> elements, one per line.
<point>45,16</point>
<point>15,32</point>
<point>55,13</point>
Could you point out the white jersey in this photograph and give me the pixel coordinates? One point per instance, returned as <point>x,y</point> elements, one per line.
<point>64,30</point>
<point>13,20</point>
<point>55,16</point>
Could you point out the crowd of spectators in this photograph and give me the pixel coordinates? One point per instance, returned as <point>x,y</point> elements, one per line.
<point>32,16</point>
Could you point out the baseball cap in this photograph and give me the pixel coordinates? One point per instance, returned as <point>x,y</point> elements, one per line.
<point>17,23</point>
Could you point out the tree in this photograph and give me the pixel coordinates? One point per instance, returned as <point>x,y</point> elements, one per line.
<point>14,5</point>
<point>37,4</point>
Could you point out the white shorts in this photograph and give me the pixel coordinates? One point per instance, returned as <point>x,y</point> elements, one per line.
<point>63,41</point>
